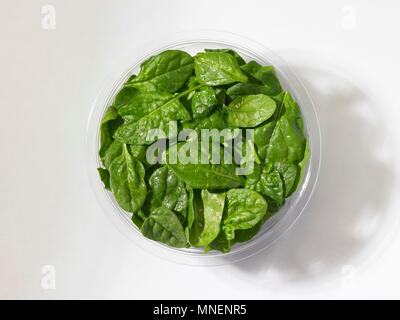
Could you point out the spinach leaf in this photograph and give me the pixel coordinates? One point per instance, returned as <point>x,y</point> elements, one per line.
<point>149,110</point>
<point>205,176</point>
<point>139,152</point>
<point>264,74</point>
<point>236,55</point>
<point>108,124</point>
<point>203,102</point>
<point>249,111</point>
<point>164,226</point>
<point>245,208</point>
<point>262,135</point>
<point>113,151</point>
<point>167,71</point>
<point>217,68</point>
<point>207,221</point>
<point>221,243</point>
<point>303,163</point>
<point>287,141</point>
<point>214,121</point>
<point>244,89</point>
<point>267,181</point>
<point>191,207</point>
<point>127,181</point>
<point>220,93</point>
<point>208,176</point>
<point>124,96</point>
<point>105,177</point>
<point>289,173</point>
<point>168,191</point>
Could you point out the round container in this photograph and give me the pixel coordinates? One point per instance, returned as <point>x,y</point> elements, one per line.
<point>192,43</point>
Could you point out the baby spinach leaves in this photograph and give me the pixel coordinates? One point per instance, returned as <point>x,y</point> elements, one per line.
<point>264,74</point>
<point>127,181</point>
<point>167,71</point>
<point>203,204</point>
<point>208,219</point>
<point>164,226</point>
<point>149,110</point>
<point>168,191</point>
<point>217,68</point>
<point>245,208</point>
<point>203,102</point>
<point>249,111</point>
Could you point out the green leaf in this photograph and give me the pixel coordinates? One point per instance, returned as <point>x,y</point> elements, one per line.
<point>264,74</point>
<point>164,226</point>
<point>124,96</point>
<point>108,124</point>
<point>289,173</point>
<point>168,191</point>
<point>149,110</point>
<point>207,222</point>
<point>203,102</point>
<point>249,111</point>
<point>127,181</point>
<point>287,142</point>
<point>205,176</point>
<point>167,71</point>
<point>245,208</point>
<point>221,243</point>
<point>236,55</point>
<point>214,121</point>
<point>220,93</point>
<point>139,152</point>
<point>105,177</point>
<point>217,68</point>
<point>191,207</point>
<point>303,165</point>
<point>262,135</point>
<point>112,152</point>
<point>244,89</point>
<point>267,181</point>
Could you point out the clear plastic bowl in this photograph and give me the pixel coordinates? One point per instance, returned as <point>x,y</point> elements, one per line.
<point>192,43</point>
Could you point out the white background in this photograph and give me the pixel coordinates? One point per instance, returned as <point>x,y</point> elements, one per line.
<point>347,243</point>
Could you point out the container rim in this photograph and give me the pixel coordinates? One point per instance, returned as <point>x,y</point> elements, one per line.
<point>276,226</point>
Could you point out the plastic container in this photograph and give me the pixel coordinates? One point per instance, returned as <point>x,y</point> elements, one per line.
<point>276,226</point>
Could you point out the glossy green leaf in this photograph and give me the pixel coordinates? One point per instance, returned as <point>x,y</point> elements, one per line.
<point>264,74</point>
<point>245,208</point>
<point>217,68</point>
<point>287,141</point>
<point>167,71</point>
<point>113,151</point>
<point>149,110</point>
<point>206,176</point>
<point>267,181</point>
<point>124,96</point>
<point>208,221</point>
<point>214,121</point>
<point>108,124</point>
<point>249,111</point>
<point>127,181</point>
<point>168,191</point>
<point>236,55</point>
<point>164,226</point>
<point>262,135</point>
<point>203,102</point>
<point>244,89</point>
<point>105,177</point>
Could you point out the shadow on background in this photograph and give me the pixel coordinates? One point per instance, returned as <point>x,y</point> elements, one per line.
<point>347,211</point>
